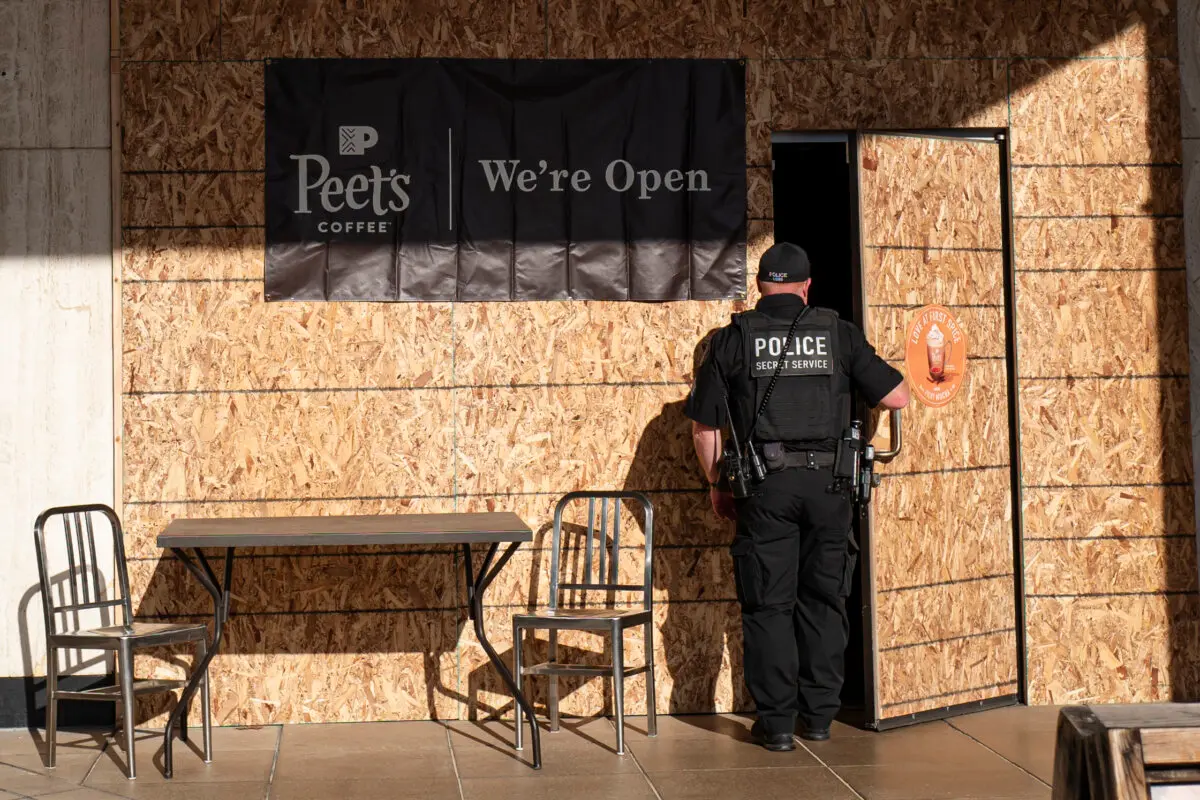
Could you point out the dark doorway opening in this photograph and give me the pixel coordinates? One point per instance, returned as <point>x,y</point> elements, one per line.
<point>815,195</point>
<point>815,190</point>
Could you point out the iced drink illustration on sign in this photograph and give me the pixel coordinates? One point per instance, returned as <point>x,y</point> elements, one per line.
<point>935,355</point>
<point>935,348</point>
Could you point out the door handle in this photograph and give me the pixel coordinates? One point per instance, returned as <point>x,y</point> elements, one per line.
<point>896,436</point>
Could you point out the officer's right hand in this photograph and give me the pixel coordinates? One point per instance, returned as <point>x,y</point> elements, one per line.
<point>722,503</point>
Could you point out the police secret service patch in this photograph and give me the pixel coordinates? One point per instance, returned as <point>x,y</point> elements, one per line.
<point>810,352</point>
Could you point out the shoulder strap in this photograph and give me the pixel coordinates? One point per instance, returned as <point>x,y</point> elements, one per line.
<point>775,377</point>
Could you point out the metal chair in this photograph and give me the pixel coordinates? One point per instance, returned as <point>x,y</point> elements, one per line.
<point>87,591</point>
<point>608,619</point>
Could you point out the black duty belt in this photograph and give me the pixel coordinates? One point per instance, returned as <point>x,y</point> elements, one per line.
<point>804,459</point>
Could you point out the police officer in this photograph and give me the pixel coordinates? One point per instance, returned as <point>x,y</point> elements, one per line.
<point>792,550</point>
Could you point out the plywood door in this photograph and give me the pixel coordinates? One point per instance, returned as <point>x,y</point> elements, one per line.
<point>941,559</point>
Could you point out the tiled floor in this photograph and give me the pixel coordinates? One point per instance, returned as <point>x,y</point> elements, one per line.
<point>998,754</point>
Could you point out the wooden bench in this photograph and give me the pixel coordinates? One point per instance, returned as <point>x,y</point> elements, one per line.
<point>1118,752</point>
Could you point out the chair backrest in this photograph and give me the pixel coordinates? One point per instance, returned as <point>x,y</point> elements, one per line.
<point>83,582</point>
<point>601,547</point>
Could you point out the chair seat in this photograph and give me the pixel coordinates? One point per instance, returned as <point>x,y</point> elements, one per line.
<point>584,618</point>
<point>143,633</point>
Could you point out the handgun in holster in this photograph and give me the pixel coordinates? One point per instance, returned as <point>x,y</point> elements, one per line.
<point>854,466</point>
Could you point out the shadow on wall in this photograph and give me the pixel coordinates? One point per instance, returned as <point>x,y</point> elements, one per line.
<point>1170,307</point>
<point>72,664</point>
<point>440,666</point>
<point>698,621</point>
<point>698,631</point>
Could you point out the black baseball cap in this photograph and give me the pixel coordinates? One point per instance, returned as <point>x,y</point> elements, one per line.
<point>784,262</point>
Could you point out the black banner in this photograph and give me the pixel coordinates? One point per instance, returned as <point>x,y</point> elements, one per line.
<point>448,179</point>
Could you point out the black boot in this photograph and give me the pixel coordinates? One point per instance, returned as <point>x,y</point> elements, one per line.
<point>814,734</point>
<point>775,742</point>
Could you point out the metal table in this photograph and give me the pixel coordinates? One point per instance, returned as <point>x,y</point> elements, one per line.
<point>491,529</point>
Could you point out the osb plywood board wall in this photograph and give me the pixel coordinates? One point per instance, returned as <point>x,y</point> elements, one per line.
<point>234,407</point>
<point>943,568</point>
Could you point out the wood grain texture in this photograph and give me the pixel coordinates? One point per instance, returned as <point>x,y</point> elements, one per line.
<point>1097,191</point>
<point>1071,512</point>
<point>1102,323</point>
<point>934,614</point>
<point>54,74</point>
<point>920,678</point>
<point>926,193</point>
<point>1074,566</point>
<point>197,116</point>
<point>801,95</point>
<point>185,30</point>
<point>581,342</point>
<point>654,29</point>
<point>573,437</point>
<point>327,668</point>
<point>958,29</point>
<point>193,254</point>
<point>191,200</point>
<point>1103,431</point>
<point>1129,243</point>
<point>1113,649</point>
<point>290,583</point>
<point>942,544</point>
<point>970,432</point>
<point>279,445</point>
<point>1171,745</point>
<point>760,203</point>
<point>966,546</point>
<point>948,699</point>
<point>228,338</point>
<point>781,29</point>
<point>331,29</point>
<point>759,122</point>
<point>1056,108</point>
<point>760,235</point>
<point>945,277</point>
<point>681,518</point>
<point>681,575</point>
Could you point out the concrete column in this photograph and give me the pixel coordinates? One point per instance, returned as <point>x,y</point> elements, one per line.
<point>56,301</point>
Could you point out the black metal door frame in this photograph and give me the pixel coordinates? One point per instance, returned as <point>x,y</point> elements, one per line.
<point>1000,137</point>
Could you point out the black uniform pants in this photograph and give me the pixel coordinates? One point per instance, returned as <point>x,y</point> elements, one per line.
<point>793,566</point>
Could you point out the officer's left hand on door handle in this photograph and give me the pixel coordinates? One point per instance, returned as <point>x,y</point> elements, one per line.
<point>722,503</point>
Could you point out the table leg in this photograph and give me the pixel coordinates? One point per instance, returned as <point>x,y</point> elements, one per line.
<point>203,572</point>
<point>475,589</point>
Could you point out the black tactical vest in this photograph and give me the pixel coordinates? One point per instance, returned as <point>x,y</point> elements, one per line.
<point>811,399</point>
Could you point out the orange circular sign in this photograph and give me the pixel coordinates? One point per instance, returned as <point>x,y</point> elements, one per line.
<point>936,356</point>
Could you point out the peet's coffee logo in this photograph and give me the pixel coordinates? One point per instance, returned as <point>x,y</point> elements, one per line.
<point>483,179</point>
<point>386,193</point>
<point>383,193</point>
<point>354,140</point>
